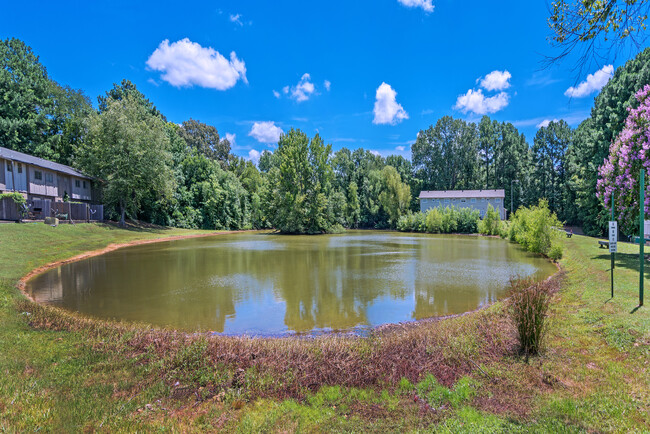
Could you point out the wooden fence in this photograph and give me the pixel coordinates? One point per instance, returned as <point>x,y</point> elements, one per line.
<point>8,209</point>
<point>38,209</point>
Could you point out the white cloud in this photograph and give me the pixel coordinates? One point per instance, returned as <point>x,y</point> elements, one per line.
<point>593,83</point>
<point>186,63</point>
<point>427,5</point>
<point>265,132</point>
<point>496,80</point>
<point>303,90</point>
<point>400,148</point>
<point>327,84</point>
<point>375,153</point>
<point>276,94</point>
<point>231,138</point>
<point>474,101</point>
<point>236,19</point>
<point>254,156</point>
<point>285,90</point>
<point>545,122</point>
<point>387,110</point>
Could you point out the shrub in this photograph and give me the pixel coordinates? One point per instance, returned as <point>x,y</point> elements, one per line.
<point>18,198</point>
<point>535,229</point>
<point>491,223</point>
<point>529,303</point>
<point>336,229</point>
<point>556,252</point>
<point>440,221</point>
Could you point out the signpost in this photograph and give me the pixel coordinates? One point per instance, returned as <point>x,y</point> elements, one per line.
<point>613,239</point>
<point>642,234</point>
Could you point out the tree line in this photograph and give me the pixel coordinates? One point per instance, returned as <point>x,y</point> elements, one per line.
<point>185,175</point>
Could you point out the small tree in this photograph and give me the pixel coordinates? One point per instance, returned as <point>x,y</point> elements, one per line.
<point>628,154</point>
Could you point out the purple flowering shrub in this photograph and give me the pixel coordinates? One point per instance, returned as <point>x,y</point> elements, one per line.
<point>628,154</point>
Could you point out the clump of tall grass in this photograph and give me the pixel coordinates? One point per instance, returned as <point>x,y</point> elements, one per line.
<point>529,304</point>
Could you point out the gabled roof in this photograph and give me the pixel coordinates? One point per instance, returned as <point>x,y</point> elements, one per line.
<point>8,154</point>
<point>461,194</point>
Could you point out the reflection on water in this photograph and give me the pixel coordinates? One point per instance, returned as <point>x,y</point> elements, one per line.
<point>259,283</point>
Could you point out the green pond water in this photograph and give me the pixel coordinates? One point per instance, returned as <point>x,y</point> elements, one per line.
<point>263,284</point>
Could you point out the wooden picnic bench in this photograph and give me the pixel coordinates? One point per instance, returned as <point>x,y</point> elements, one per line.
<point>603,244</point>
<point>569,234</point>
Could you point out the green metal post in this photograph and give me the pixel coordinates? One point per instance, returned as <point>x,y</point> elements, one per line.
<point>612,254</point>
<point>642,235</point>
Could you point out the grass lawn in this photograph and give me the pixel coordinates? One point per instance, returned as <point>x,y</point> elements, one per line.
<point>61,372</point>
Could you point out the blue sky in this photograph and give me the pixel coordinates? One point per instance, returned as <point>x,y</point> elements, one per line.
<point>361,73</point>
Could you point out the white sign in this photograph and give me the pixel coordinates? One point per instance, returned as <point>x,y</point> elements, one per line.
<point>646,227</point>
<point>613,236</point>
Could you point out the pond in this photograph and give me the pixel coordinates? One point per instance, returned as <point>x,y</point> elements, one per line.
<point>263,284</point>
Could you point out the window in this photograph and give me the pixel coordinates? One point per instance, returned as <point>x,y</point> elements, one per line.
<point>38,175</point>
<point>49,178</point>
<point>498,200</point>
<point>84,184</point>
<point>463,201</point>
<point>473,200</point>
<point>77,183</point>
<point>9,168</point>
<point>20,168</point>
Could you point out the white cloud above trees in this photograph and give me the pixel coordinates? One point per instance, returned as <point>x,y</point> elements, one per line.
<point>236,19</point>
<point>304,89</point>
<point>265,132</point>
<point>254,156</point>
<point>545,122</point>
<point>475,101</point>
<point>496,80</point>
<point>426,5</point>
<point>185,63</point>
<point>593,83</point>
<point>231,138</point>
<point>387,110</point>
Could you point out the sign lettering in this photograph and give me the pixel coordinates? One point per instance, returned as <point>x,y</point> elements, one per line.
<point>613,236</point>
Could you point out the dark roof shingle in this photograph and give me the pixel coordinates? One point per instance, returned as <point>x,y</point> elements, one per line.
<point>20,157</point>
<point>461,194</point>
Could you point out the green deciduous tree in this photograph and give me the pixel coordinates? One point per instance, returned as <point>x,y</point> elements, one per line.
<point>25,99</point>
<point>300,184</point>
<point>205,139</point>
<point>395,196</point>
<point>127,149</point>
<point>121,91</point>
<point>594,136</point>
<point>596,26</point>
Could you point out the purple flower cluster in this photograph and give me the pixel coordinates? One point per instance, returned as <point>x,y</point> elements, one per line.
<point>628,154</point>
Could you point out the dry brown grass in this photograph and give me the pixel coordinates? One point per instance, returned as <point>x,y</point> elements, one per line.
<point>294,366</point>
